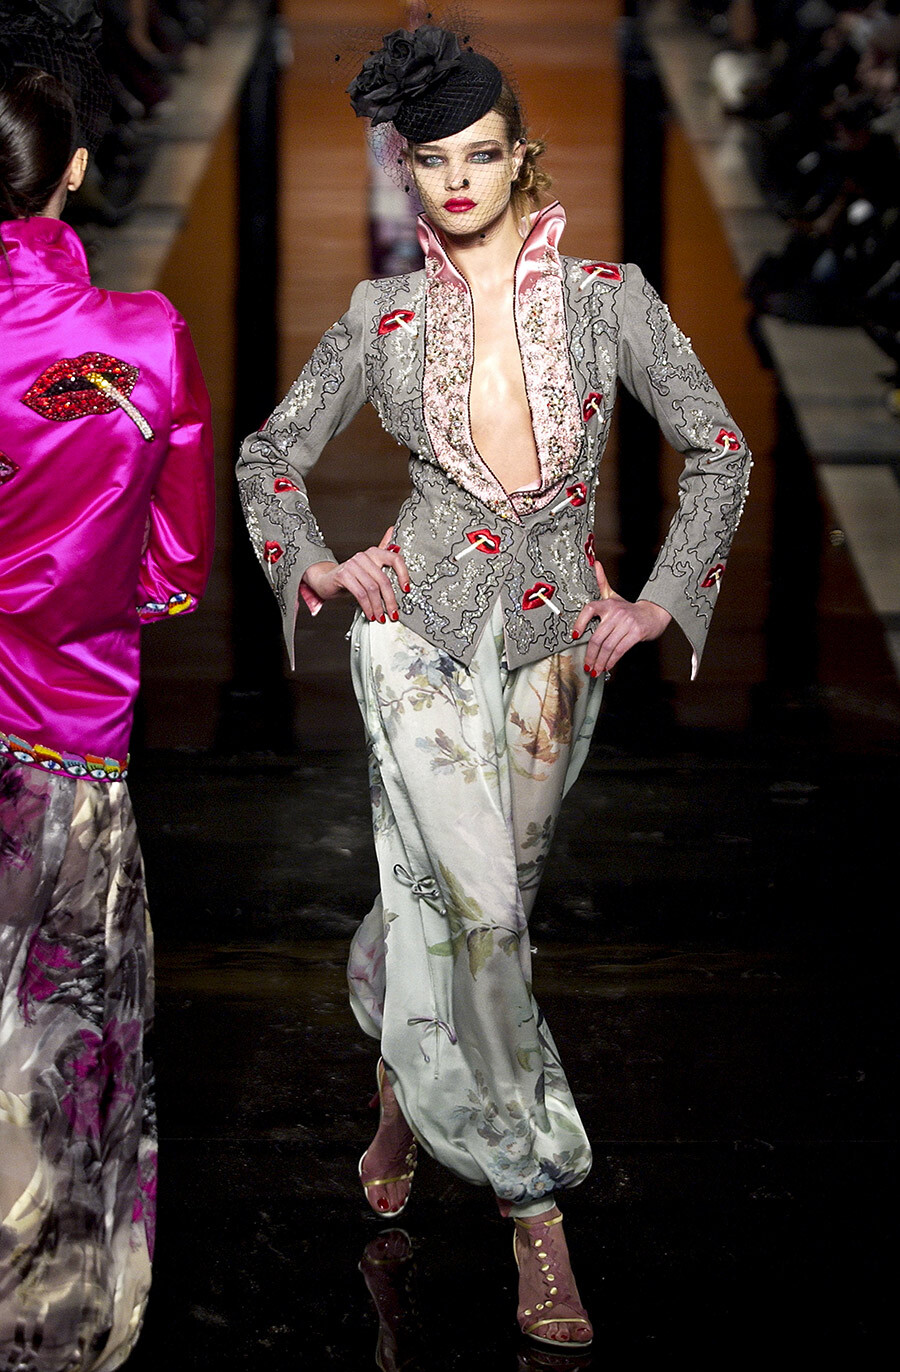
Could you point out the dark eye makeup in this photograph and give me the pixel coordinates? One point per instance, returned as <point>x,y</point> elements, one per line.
<point>481,156</point>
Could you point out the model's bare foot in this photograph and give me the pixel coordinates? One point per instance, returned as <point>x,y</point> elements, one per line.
<point>550,1308</point>
<point>387,1166</point>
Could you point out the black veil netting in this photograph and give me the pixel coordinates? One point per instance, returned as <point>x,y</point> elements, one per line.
<point>59,37</point>
<point>440,83</point>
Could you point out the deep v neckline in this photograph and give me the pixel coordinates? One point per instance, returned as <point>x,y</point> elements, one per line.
<point>548,376</point>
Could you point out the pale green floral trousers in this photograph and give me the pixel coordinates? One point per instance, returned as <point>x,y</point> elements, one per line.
<point>468,770</point>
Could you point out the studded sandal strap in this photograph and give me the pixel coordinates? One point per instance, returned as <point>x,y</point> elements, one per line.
<point>562,1299</point>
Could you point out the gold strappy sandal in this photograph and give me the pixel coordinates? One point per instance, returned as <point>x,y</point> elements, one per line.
<point>408,1167</point>
<point>555,1270</point>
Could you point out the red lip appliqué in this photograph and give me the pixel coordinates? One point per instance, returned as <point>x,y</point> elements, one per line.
<point>284,483</point>
<point>8,469</point>
<point>713,576</point>
<point>272,552</point>
<point>489,543</point>
<point>603,271</point>
<point>397,319</point>
<point>93,383</point>
<point>575,495</point>
<point>480,541</point>
<point>727,440</point>
<point>590,550</point>
<point>592,404</point>
<point>539,595</point>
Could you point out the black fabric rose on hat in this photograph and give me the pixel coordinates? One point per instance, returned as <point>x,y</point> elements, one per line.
<point>407,66</point>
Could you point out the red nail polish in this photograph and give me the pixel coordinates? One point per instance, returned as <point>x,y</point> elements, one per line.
<point>393,547</point>
<point>587,669</point>
<point>381,619</point>
<point>382,1204</point>
<point>576,634</point>
<point>595,673</point>
<point>406,588</point>
<point>371,619</point>
<point>395,616</point>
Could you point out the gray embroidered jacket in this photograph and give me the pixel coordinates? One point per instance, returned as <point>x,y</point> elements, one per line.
<point>406,344</point>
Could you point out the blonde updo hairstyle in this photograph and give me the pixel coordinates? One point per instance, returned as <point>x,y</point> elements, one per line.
<point>532,182</point>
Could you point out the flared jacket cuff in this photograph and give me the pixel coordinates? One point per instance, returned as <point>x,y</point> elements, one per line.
<point>670,596</point>
<point>294,588</point>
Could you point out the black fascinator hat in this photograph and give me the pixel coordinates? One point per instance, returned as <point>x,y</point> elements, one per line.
<point>59,37</point>
<point>426,83</point>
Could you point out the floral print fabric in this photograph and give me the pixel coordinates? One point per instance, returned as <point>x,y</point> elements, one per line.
<point>468,770</point>
<point>77,1124</point>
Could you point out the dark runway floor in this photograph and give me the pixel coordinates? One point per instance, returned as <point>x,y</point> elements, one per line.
<point>714,937</point>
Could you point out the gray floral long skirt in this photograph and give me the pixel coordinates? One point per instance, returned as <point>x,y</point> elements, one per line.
<point>468,771</point>
<point>77,1126</point>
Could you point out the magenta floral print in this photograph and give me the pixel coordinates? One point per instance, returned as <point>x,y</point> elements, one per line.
<point>76,1084</point>
<point>101,1076</point>
<point>38,981</point>
<point>143,1212</point>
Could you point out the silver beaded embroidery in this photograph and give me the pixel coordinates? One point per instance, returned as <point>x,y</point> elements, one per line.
<point>298,397</point>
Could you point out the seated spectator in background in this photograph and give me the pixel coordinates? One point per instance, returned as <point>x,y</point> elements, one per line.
<point>818,86</point>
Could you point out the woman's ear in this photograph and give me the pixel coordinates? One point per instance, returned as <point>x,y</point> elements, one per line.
<point>75,172</point>
<point>519,150</point>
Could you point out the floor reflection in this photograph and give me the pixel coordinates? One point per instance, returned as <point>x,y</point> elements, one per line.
<point>389,1269</point>
<point>538,1358</point>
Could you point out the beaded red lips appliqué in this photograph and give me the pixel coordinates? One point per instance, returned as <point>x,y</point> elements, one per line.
<point>94,383</point>
<point>397,319</point>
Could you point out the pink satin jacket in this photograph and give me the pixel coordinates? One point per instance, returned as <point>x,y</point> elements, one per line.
<point>106,497</point>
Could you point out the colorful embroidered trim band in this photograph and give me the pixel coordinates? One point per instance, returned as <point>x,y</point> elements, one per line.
<point>69,764</point>
<point>179,603</point>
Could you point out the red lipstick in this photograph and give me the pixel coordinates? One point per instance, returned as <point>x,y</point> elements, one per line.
<point>459,206</point>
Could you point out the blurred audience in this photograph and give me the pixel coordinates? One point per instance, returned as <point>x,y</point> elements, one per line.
<point>142,44</point>
<point>818,85</point>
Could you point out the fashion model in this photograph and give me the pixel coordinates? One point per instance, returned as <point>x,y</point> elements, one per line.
<point>106,521</point>
<point>486,625</point>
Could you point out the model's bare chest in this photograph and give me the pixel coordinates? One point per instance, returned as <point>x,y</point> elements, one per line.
<point>499,411</point>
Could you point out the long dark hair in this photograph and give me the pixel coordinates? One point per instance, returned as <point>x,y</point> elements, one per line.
<point>38,136</point>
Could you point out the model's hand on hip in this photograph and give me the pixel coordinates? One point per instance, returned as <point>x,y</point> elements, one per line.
<point>623,623</point>
<point>364,576</point>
